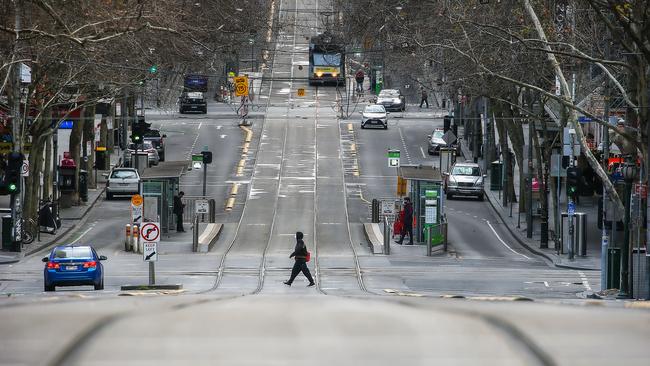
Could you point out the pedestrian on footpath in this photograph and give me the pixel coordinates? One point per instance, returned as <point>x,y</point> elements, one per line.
<point>178,209</point>
<point>359,77</point>
<point>425,97</point>
<point>300,255</point>
<point>407,225</point>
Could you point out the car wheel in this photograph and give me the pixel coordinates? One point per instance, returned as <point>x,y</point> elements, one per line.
<point>162,157</point>
<point>48,288</point>
<point>449,196</point>
<point>363,126</point>
<point>386,126</point>
<point>481,197</point>
<point>109,196</point>
<point>100,286</point>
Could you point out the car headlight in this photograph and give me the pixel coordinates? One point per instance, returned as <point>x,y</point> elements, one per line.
<point>452,182</point>
<point>334,74</point>
<point>319,74</point>
<point>478,183</point>
<point>397,100</point>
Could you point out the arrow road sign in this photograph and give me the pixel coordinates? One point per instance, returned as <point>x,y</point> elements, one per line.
<point>148,257</point>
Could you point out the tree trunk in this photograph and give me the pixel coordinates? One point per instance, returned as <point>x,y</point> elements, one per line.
<point>89,142</point>
<point>75,149</point>
<point>47,175</point>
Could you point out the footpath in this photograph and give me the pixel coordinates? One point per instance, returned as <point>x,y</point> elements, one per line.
<point>71,218</point>
<point>515,222</point>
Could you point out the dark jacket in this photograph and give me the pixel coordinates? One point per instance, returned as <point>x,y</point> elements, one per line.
<point>178,205</point>
<point>300,251</point>
<point>408,214</point>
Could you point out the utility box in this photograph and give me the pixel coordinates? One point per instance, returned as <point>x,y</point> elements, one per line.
<point>613,268</point>
<point>7,226</point>
<point>640,275</point>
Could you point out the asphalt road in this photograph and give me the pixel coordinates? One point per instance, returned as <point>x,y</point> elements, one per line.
<point>309,171</point>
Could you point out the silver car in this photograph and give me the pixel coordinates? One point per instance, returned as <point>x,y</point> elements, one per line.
<point>465,179</point>
<point>392,100</point>
<point>146,146</point>
<point>374,115</point>
<point>122,181</point>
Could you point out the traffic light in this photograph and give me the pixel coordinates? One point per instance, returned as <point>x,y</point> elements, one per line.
<point>153,69</point>
<point>572,181</point>
<point>207,157</point>
<point>11,183</point>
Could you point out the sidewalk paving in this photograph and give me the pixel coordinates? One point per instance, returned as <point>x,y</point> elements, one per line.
<point>516,224</point>
<point>70,219</point>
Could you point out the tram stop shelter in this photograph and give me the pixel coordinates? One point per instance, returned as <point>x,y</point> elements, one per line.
<point>159,186</point>
<point>425,187</point>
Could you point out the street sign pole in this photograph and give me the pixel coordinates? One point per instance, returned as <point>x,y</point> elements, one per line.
<point>151,236</point>
<point>571,205</point>
<point>152,273</point>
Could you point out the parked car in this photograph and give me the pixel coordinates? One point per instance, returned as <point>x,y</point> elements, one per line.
<point>73,265</point>
<point>374,115</point>
<point>157,140</point>
<point>192,102</point>
<point>436,142</point>
<point>122,181</point>
<point>146,146</point>
<point>465,179</point>
<point>392,100</point>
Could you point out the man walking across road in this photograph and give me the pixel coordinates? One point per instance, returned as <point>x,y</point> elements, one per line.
<point>179,207</point>
<point>300,255</point>
<point>408,222</point>
<point>425,97</point>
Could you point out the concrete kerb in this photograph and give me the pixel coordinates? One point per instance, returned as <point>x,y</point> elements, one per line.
<point>523,243</point>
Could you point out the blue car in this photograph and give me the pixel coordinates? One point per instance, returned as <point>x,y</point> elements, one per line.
<point>73,265</point>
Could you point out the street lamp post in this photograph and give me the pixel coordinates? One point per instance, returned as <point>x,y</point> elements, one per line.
<point>629,171</point>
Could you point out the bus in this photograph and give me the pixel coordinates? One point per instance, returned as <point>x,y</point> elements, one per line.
<point>326,60</point>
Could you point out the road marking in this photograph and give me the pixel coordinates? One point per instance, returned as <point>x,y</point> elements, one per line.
<point>200,124</point>
<point>84,233</point>
<point>422,151</point>
<point>223,136</point>
<point>585,281</point>
<point>503,242</point>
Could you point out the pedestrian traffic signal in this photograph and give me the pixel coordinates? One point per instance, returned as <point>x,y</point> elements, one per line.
<point>136,138</point>
<point>153,69</point>
<point>207,157</point>
<point>572,180</point>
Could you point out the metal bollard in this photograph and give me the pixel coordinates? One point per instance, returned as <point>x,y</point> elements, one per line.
<point>428,241</point>
<point>444,235</point>
<point>386,237</point>
<point>135,246</point>
<point>127,238</point>
<point>195,234</point>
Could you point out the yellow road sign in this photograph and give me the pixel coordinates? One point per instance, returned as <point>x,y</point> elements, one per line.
<point>136,200</point>
<point>301,92</point>
<point>241,86</point>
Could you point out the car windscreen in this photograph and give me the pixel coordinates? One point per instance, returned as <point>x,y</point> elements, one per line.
<point>437,134</point>
<point>152,133</point>
<point>145,145</point>
<point>73,252</point>
<point>389,93</point>
<point>124,174</point>
<point>327,59</point>
<point>375,109</point>
<point>466,170</point>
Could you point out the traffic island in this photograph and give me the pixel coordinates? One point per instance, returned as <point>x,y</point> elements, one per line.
<point>150,287</point>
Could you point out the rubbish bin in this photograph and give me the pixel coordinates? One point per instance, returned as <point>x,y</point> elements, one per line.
<point>83,185</point>
<point>495,175</point>
<point>581,233</point>
<point>6,233</point>
<point>100,160</point>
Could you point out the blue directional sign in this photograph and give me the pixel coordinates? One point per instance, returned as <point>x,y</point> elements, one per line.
<point>571,208</point>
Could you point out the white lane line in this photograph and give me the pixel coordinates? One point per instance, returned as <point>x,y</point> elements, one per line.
<point>200,124</point>
<point>422,151</point>
<point>503,242</point>
<point>585,281</point>
<point>546,284</point>
<point>84,233</point>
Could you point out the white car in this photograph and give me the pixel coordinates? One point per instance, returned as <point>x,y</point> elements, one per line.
<point>122,181</point>
<point>374,115</point>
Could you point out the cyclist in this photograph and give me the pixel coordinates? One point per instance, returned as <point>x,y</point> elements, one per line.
<point>359,76</point>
